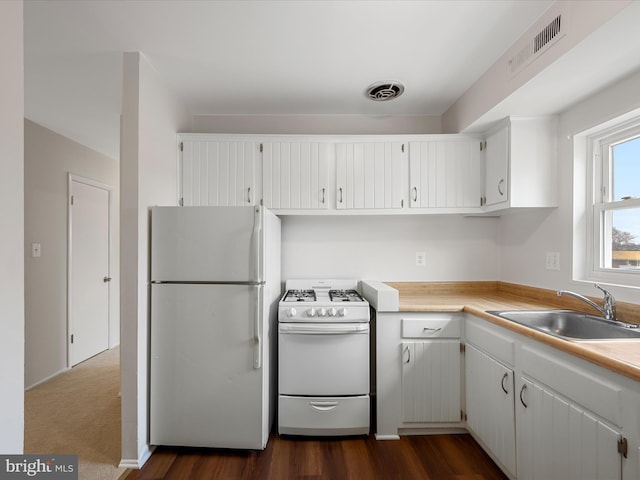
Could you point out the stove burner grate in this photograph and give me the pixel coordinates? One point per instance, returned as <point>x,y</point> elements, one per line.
<point>300,296</point>
<point>345,296</point>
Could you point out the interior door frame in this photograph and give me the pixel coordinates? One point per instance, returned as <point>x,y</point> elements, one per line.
<point>93,183</point>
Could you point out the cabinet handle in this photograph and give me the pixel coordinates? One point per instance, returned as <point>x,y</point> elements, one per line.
<point>322,195</point>
<point>415,194</point>
<point>249,195</point>
<point>427,329</point>
<point>522,391</point>
<point>500,184</point>
<point>504,377</point>
<point>408,350</point>
<point>340,198</point>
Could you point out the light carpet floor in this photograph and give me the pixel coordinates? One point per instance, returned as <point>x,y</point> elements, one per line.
<point>78,412</point>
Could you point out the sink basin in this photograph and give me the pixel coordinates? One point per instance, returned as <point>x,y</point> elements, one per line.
<point>570,324</point>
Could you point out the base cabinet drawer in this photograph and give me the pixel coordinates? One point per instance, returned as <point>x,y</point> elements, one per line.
<point>323,415</point>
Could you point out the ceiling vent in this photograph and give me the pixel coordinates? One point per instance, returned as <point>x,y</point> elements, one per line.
<point>383,91</point>
<point>541,42</point>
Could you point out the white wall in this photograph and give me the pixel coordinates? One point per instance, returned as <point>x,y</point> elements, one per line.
<point>580,17</point>
<point>317,124</point>
<point>12,238</point>
<point>48,159</point>
<point>151,118</point>
<point>384,247</point>
<point>526,237</point>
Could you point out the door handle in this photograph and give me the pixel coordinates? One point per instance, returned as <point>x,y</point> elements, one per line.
<point>522,391</point>
<point>504,377</point>
<point>106,279</point>
<point>500,184</point>
<point>415,194</point>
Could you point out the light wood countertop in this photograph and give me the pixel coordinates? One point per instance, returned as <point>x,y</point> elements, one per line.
<point>619,356</point>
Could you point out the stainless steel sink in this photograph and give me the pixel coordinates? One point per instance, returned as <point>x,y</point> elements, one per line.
<point>570,324</point>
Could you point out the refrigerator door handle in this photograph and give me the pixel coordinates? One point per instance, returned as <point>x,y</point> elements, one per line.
<point>257,328</point>
<point>256,238</point>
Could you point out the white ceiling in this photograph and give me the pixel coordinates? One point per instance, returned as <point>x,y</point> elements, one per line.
<point>259,57</point>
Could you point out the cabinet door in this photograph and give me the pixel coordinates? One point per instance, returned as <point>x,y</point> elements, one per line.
<point>559,440</point>
<point>490,405</point>
<point>497,167</point>
<point>294,175</point>
<point>445,173</point>
<point>431,381</point>
<point>369,175</point>
<point>218,173</point>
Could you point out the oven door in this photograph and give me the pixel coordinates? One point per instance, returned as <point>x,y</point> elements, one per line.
<point>328,359</point>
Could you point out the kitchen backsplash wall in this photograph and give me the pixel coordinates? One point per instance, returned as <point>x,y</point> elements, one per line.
<point>385,247</point>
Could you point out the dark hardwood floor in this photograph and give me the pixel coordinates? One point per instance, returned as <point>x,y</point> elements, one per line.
<point>429,457</point>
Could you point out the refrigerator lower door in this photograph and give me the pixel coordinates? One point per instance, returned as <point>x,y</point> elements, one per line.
<point>205,390</point>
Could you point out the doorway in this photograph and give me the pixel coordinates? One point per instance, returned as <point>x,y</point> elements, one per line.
<point>89,279</point>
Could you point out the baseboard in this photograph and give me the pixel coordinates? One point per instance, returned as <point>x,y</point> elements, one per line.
<point>137,463</point>
<point>53,375</point>
<point>387,437</point>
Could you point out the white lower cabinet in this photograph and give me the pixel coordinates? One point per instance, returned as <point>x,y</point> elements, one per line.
<point>543,414</point>
<point>431,381</point>
<point>418,386</point>
<point>539,412</point>
<point>560,440</point>
<point>490,407</point>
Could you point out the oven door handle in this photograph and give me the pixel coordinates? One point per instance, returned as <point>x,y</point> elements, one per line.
<point>323,328</point>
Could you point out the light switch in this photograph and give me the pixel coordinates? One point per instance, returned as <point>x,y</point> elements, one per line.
<point>35,250</point>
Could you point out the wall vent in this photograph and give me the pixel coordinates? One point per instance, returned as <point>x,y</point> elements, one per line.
<point>546,37</point>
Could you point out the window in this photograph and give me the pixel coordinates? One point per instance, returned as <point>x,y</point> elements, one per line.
<point>615,221</point>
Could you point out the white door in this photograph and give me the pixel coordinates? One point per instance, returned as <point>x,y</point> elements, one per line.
<point>323,359</point>
<point>369,175</point>
<point>559,440</point>
<point>218,173</point>
<point>295,175</point>
<point>431,381</point>
<point>205,389</point>
<point>490,407</point>
<point>88,270</point>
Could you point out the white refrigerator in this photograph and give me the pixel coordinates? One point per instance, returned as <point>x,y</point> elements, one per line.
<point>215,286</point>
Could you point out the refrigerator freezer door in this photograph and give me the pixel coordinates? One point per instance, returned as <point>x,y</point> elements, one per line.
<point>206,244</point>
<point>205,391</point>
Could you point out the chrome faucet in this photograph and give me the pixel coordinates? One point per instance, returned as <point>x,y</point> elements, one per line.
<point>608,309</point>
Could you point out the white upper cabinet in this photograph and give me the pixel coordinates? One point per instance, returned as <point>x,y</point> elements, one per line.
<point>218,172</point>
<point>445,173</point>
<point>369,175</point>
<point>521,167</point>
<point>515,166</point>
<point>295,175</point>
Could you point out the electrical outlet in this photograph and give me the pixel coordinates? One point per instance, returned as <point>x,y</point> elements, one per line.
<point>553,261</point>
<point>421,259</point>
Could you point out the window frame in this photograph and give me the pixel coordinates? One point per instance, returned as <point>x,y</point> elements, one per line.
<point>600,204</point>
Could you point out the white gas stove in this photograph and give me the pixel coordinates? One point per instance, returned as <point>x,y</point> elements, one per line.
<point>322,301</point>
<point>323,359</point>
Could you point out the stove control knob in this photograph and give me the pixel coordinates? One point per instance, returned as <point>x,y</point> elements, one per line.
<point>311,312</point>
<point>322,312</point>
<point>342,312</point>
<point>291,312</point>
<point>333,312</point>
